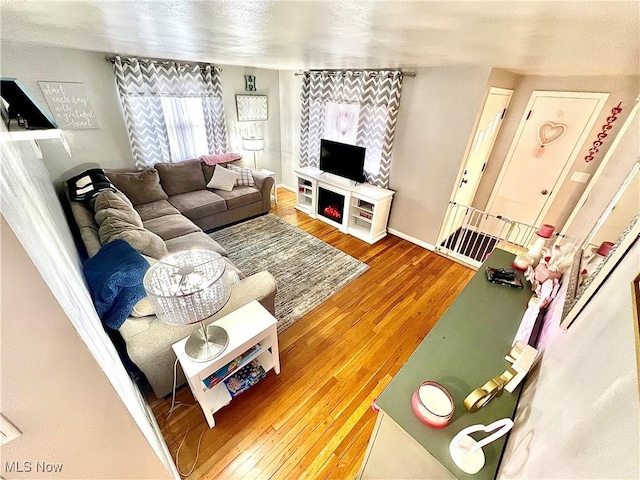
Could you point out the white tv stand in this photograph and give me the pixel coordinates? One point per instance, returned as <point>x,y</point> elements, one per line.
<point>365,208</point>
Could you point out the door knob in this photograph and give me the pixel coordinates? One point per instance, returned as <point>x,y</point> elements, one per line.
<point>544,192</point>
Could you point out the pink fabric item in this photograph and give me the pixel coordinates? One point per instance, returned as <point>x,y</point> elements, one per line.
<point>222,158</point>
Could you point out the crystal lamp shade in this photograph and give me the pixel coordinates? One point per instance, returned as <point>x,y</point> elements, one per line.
<point>188,286</point>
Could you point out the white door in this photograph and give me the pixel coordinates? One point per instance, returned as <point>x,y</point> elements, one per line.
<point>494,110</point>
<point>531,176</point>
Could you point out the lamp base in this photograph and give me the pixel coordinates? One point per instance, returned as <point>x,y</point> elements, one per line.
<point>202,347</point>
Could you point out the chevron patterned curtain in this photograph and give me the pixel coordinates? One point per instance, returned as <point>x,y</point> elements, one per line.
<point>373,95</point>
<point>149,89</point>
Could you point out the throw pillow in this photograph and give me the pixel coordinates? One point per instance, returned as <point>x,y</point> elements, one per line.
<point>223,179</point>
<point>88,184</point>
<point>139,187</point>
<point>246,177</point>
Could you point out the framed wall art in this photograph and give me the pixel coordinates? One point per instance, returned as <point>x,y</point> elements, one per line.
<point>70,104</point>
<point>252,108</point>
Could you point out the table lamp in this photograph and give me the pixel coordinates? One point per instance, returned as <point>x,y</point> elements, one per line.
<point>189,287</point>
<point>253,144</point>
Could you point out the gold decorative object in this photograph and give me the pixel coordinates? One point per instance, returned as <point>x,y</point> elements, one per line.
<point>493,388</point>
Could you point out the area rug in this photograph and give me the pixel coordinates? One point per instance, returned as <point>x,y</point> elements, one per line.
<point>307,270</point>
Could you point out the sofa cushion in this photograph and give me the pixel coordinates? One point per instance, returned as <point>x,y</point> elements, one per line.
<point>141,239</point>
<point>194,240</point>
<point>232,268</point>
<point>171,226</point>
<point>246,177</point>
<point>223,179</point>
<point>240,196</point>
<point>182,177</point>
<point>195,205</point>
<point>156,209</point>
<point>111,204</point>
<point>88,227</point>
<point>144,307</point>
<point>139,187</point>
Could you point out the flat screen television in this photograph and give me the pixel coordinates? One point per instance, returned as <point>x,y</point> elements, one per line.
<point>342,159</point>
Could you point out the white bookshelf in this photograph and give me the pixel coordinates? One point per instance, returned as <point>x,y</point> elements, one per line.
<point>306,195</point>
<point>247,326</point>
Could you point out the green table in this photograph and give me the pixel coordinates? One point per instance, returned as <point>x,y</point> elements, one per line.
<point>463,350</point>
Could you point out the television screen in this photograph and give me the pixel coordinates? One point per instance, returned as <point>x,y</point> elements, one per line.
<point>342,159</point>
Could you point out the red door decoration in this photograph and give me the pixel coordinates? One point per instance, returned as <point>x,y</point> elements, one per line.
<point>549,132</point>
<point>603,134</point>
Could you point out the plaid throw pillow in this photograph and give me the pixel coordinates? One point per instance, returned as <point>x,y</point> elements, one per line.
<point>245,176</point>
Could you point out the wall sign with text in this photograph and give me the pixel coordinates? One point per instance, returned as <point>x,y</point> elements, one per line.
<point>69,104</point>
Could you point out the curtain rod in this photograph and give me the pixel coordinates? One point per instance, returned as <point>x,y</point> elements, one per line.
<point>359,72</point>
<point>166,62</point>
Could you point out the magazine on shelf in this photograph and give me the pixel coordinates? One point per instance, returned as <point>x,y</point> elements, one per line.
<point>215,378</point>
<point>244,378</point>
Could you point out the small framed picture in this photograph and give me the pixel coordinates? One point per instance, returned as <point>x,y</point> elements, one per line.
<point>252,108</point>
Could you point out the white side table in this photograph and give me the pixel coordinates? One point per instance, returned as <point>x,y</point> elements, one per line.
<point>272,174</point>
<point>247,326</point>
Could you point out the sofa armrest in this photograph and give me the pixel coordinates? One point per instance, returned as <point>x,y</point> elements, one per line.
<point>264,184</point>
<point>149,339</point>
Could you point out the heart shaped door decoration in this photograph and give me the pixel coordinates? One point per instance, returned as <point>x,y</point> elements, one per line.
<point>549,132</point>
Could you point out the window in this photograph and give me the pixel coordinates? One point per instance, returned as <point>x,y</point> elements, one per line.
<point>173,111</point>
<point>186,131</point>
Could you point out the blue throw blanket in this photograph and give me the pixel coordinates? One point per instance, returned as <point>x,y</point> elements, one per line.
<point>114,276</point>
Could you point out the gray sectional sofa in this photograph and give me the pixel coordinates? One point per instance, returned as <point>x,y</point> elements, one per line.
<point>173,203</point>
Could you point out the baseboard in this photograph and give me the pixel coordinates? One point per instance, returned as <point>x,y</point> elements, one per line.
<point>411,239</point>
<point>286,187</point>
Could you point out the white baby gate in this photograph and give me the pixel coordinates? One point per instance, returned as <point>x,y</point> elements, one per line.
<point>469,235</point>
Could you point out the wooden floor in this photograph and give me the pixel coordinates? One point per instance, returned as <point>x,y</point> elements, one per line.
<point>314,419</point>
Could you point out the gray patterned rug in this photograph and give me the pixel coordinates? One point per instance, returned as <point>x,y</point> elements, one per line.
<point>308,270</point>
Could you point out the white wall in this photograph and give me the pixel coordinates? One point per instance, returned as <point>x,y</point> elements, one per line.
<point>622,88</point>
<point>438,110</point>
<point>32,210</point>
<point>621,161</point>
<point>290,87</point>
<point>267,83</point>
<point>108,146</point>
<point>54,391</point>
<point>578,413</point>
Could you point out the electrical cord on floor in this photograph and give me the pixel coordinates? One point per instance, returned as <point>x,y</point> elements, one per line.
<point>195,462</point>
<point>174,406</point>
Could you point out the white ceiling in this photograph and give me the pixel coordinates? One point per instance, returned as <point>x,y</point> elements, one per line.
<point>548,38</point>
